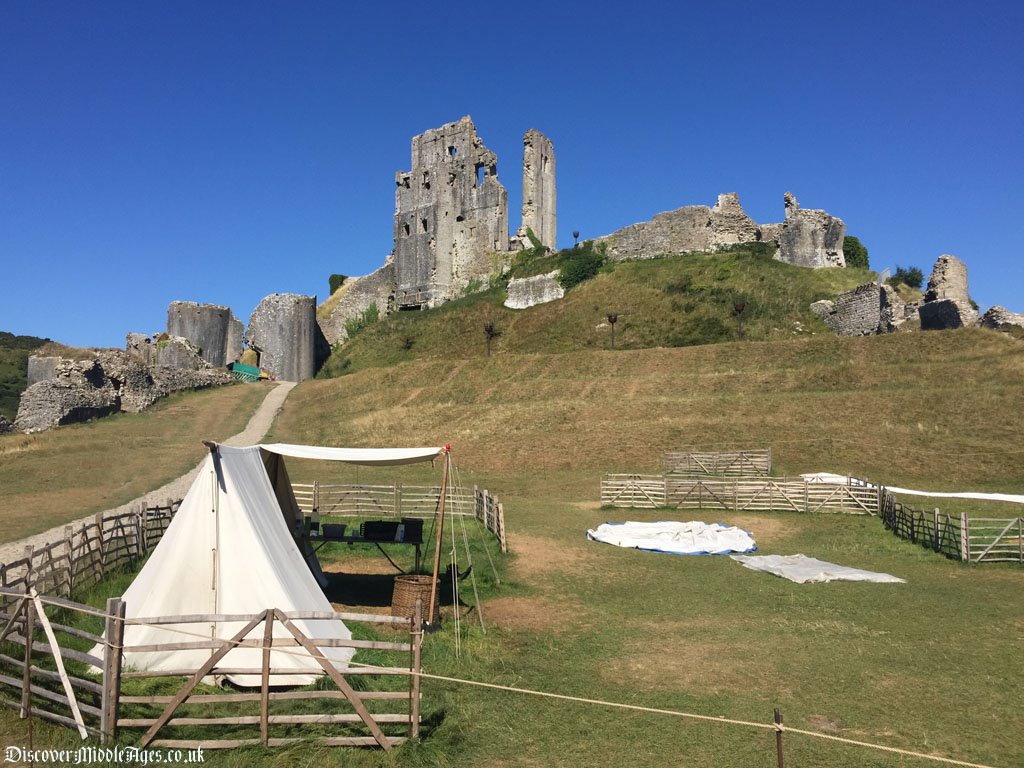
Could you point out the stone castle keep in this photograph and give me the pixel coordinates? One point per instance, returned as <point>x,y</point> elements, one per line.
<point>451,212</point>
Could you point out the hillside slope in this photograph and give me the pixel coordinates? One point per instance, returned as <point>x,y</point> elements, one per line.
<point>676,301</point>
<point>934,409</point>
<point>14,354</point>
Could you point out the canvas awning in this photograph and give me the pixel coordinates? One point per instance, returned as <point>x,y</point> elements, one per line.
<point>367,457</point>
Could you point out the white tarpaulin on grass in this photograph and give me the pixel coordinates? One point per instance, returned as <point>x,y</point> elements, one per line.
<point>828,477</point>
<point>807,570</point>
<point>673,537</point>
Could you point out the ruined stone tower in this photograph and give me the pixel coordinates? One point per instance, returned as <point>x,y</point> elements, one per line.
<point>539,188</point>
<point>451,213</point>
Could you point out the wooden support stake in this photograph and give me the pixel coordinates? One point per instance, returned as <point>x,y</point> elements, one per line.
<point>202,672</point>
<point>55,650</point>
<point>335,675</point>
<point>268,641</point>
<point>965,539</point>
<point>416,631</point>
<point>110,697</point>
<point>440,529</point>
<point>26,678</point>
<point>98,557</point>
<point>778,739</point>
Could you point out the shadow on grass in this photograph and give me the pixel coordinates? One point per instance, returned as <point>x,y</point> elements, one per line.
<point>375,589</point>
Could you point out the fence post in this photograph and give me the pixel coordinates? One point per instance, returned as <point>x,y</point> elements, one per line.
<point>29,568</point>
<point>110,696</point>
<point>778,739</point>
<point>26,676</point>
<point>936,539</point>
<point>965,538</point>
<point>416,636</point>
<point>501,528</point>
<point>98,562</point>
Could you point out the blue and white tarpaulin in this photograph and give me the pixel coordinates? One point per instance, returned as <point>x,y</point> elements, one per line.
<point>676,538</point>
<point>808,570</point>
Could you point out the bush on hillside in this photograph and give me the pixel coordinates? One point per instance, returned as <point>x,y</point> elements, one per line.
<point>909,276</point>
<point>336,281</point>
<point>855,252</point>
<point>356,324</point>
<point>579,264</point>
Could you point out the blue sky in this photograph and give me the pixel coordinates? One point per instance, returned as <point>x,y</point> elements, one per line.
<point>220,151</point>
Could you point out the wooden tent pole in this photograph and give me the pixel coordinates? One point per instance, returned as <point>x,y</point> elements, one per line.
<point>440,527</point>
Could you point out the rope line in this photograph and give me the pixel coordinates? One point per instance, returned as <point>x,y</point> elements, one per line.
<point>778,727</point>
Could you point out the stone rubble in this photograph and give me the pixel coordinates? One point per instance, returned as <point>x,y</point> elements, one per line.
<point>530,291</point>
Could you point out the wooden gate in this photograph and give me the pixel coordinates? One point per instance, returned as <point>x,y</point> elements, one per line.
<point>992,540</point>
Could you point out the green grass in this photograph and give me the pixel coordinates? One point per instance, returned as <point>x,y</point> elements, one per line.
<point>678,301</point>
<point>933,665</point>
<point>14,354</point>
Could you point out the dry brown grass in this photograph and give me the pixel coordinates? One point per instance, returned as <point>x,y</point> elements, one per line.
<point>938,409</point>
<point>63,474</point>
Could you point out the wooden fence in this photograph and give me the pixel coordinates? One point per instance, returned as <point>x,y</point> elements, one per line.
<point>401,501</point>
<point>87,552</point>
<point>50,679</point>
<point>973,539</point>
<point>721,463</point>
<point>741,494</point>
<point>962,537</point>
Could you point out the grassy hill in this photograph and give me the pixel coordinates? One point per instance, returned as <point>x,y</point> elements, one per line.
<point>929,666</point>
<point>14,354</point>
<point>677,301</point>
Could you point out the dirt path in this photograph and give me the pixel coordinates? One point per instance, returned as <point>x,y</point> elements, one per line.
<point>254,431</point>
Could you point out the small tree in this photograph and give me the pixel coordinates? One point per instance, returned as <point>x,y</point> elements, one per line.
<point>336,281</point>
<point>491,333</point>
<point>855,252</point>
<point>909,276</point>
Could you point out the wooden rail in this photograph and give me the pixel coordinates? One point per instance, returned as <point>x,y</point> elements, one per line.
<point>401,501</point>
<point>741,494</point>
<point>34,682</point>
<point>87,552</point>
<point>742,463</point>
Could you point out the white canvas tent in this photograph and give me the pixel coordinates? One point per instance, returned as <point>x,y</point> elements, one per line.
<point>230,550</point>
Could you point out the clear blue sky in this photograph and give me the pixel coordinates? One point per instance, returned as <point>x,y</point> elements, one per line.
<point>219,152</point>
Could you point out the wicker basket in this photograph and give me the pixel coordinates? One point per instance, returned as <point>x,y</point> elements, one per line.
<point>409,589</point>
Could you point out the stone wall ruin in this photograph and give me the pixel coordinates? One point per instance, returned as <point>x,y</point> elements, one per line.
<point>283,331</point>
<point>451,212</point>
<point>807,238</point>
<point>539,194</point>
<point>212,328</point>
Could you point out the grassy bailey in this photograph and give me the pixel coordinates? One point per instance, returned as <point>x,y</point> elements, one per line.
<point>929,666</point>
<point>678,301</point>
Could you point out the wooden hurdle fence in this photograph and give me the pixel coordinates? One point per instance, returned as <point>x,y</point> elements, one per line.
<point>741,463</point>
<point>399,500</point>
<point>48,678</point>
<point>740,494</point>
<point>89,551</point>
<point>962,537</point>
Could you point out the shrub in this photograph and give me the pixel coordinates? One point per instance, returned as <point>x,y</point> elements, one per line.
<point>336,281</point>
<point>855,252</point>
<point>579,264</point>
<point>910,276</point>
<point>358,323</point>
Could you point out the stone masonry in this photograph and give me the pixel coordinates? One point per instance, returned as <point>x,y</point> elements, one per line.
<point>539,188</point>
<point>807,238</point>
<point>451,213</point>
<point>1000,318</point>
<point>108,382</point>
<point>531,291</point>
<point>284,333</point>
<point>212,328</point>
<point>866,310</point>
<point>946,302</point>
<point>358,294</point>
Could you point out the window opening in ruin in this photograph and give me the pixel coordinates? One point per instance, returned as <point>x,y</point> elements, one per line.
<point>423,222</point>
<point>405,230</point>
<point>405,182</point>
<point>460,217</point>
<point>452,151</point>
<point>426,179</point>
<point>479,174</point>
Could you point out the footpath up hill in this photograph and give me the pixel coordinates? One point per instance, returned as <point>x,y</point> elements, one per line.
<point>938,410</point>
<point>676,301</point>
